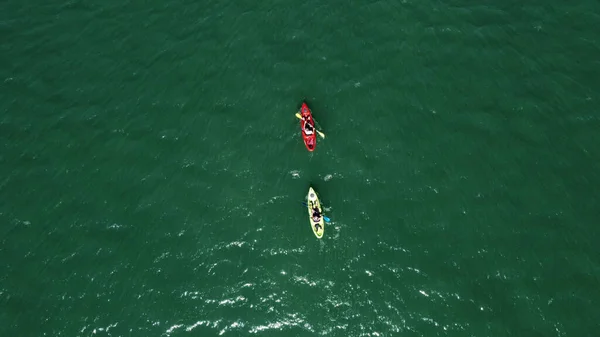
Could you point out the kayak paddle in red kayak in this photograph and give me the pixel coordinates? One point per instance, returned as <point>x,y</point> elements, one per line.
<point>307,125</point>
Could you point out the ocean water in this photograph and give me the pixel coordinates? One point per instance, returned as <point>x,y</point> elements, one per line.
<point>152,170</point>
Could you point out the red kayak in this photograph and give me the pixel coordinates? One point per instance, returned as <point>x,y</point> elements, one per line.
<point>307,125</point>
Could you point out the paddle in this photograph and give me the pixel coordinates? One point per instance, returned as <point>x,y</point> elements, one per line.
<point>324,217</point>
<point>319,132</point>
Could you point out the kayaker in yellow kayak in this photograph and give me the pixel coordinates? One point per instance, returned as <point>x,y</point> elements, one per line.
<point>316,215</point>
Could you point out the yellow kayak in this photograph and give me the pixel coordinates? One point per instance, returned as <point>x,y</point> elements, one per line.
<point>318,227</point>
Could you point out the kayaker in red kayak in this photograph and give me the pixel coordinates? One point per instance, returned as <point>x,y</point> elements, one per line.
<point>308,129</point>
<point>307,125</point>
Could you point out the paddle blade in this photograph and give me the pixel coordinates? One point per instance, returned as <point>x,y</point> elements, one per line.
<point>298,115</point>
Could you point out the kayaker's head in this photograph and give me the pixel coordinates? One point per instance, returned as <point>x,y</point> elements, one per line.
<point>310,146</point>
